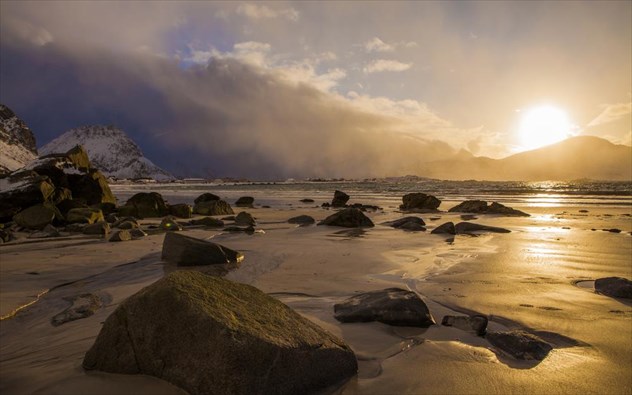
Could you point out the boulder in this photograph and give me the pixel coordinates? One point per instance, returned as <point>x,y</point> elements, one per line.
<point>101,228</point>
<point>443,229</point>
<point>68,204</point>
<point>35,217</point>
<point>6,236</point>
<point>79,158</point>
<point>245,201</point>
<point>392,306</point>
<point>470,206</point>
<point>121,235</point>
<point>181,210</point>
<point>208,221</point>
<point>307,200</point>
<point>60,195</point>
<point>48,231</point>
<point>213,207</point>
<point>208,335</point>
<point>476,324</point>
<point>520,344</point>
<point>419,202</point>
<point>126,224</point>
<point>111,218</point>
<point>206,197</point>
<point>91,187</point>
<point>147,204</point>
<point>137,233</point>
<point>348,218</point>
<point>21,190</point>
<point>497,208</point>
<point>302,220</point>
<point>616,287</point>
<point>468,227</point>
<point>246,229</point>
<point>84,215</point>
<point>408,223</point>
<point>340,199</point>
<point>170,224</point>
<point>244,218</point>
<point>188,251</point>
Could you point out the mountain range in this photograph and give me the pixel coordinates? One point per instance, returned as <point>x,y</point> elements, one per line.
<point>17,142</point>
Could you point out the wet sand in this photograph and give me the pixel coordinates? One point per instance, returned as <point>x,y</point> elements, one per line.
<point>523,279</point>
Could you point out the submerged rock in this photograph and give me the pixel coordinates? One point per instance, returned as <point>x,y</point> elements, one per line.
<point>83,306</point>
<point>467,227</point>
<point>476,324</point>
<point>302,220</point>
<point>520,344</point>
<point>419,202</point>
<point>497,208</point>
<point>209,335</point>
<point>208,221</point>
<point>408,223</point>
<point>340,199</point>
<point>188,251</point>
<point>348,218</point>
<point>446,228</point>
<point>616,287</point>
<point>481,207</point>
<point>392,306</point>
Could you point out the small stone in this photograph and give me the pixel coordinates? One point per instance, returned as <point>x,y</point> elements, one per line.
<point>98,228</point>
<point>245,201</point>
<point>208,221</point>
<point>302,220</point>
<point>182,210</point>
<point>244,218</point>
<point>476,324</point>
<point>121,235</point>
<point>169,223</point>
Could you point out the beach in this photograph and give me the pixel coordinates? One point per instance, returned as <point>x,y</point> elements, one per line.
<point>537,277</point>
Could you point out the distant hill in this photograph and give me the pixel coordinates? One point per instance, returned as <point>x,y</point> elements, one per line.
<point>575,158</point>
<point>17,143</point>
<point>110,150</point>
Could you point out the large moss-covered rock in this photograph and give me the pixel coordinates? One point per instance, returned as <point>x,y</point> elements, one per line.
<point>84,215</point>
<point>419,202</point>
<point>79,158</point>
<point>145,205</point>
<point>209,335</point>
<point>22,190</point>
<point>35,217</point>
<point>188,251</point>
<point>91,187</point>
<point>348,218</point>
<point>213,207</point>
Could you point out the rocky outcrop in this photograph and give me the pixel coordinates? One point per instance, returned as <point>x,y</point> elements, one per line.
<point>340,199</point>
<point>187,251</point>
<point>392,306</point>
<point>348,218</point>
<point>520,344</point>
<point>17,142</point>
<point>209,335</point>
<point>22,190</point>
<point>616,287</point>
<point>419,202</point>
<point>481,207</point>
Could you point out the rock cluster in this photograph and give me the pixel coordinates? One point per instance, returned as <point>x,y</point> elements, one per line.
<point>419,202</point>
<point>481,207</point>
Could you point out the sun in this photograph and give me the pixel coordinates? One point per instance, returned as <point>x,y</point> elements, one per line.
<point>542,126</point>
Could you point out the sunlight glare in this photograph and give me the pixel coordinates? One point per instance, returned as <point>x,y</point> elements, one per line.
<point>542,126</point>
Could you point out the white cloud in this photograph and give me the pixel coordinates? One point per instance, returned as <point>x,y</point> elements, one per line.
<point>377,45</point>
<point>611,113</point>
<point>255,11</point>
<point>380,65</point>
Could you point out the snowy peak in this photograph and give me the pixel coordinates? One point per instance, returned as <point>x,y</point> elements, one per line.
<point>17,143</point>
<point>110,150</point>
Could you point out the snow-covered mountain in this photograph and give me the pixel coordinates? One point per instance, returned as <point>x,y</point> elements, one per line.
<point>110,150</point>
<point>17,143</point>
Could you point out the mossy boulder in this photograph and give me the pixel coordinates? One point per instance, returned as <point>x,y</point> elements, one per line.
<point>79,158</point>
<point>35,217</point>
<point>206,197</point>
<point>348,218</point>
<point>145,205</point>
<point>91,187</point>
<point>209,335</point>
<point>213,207</point>
<point>189,251</point>
<point>22,190</point>
<point>181,210</point>
<point>84,215</point>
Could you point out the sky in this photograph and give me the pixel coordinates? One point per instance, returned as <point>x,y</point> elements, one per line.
<point>316,89</point>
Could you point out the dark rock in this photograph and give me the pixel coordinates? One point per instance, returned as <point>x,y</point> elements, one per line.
<point>246,229</point>
<point>75,228</point>
<point>208,221</point>
<point>60,195</point>
<point>520,344</point>
<point>307,200</point>
<point>583,211</point>
<point>213,207</point>
<point>208,335</point>
<point>614,230</point>
<point>92,188</point>
<point>5,236</point>
<point>447,228</point>
<point>101,228</point>
<point>181,210</point>
<point>48,231</point>
<point>392,306</point>
<point>468,217</point>
<point>107,208</point>
<point>206,197</point>
<point>84,215</point>
<point>66,205</point>
<point>476,324</point>
<point>340,199</point>
<point>348,218</point>
<point>111,218</point>
<point>244,218</point>
<point>245,201</point>
<point>302,220</point>
<point>35,217</point>
<point>170,224</point>
<point>365,207</point>
<point>22,190</point>
<point>616,287</point>
<point>147,204</point>
<point>470,206</point>
<point>126,211</point>
<point>407,223</point>
<point>137,233</point>
<point>188,251</point>
<point>83,306</point>
<point>467,227</point>
<point>79,158</point>
<point>229,218</point>
<point>419,202</point>
<point>121,235</point>
<point>497,208</point>
<point>126,223</point>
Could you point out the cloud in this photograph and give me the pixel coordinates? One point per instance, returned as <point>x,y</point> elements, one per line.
<point>377,45</point>
<point>611,113</point>
<point>380,65</point>
<point>256,11</point>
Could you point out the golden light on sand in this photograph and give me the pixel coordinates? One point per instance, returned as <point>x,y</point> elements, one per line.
<point>542,126</point>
